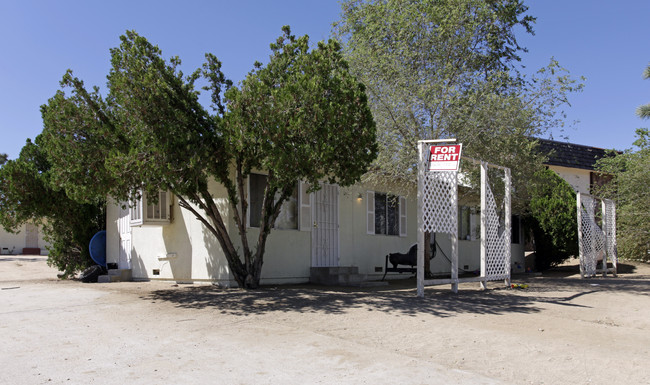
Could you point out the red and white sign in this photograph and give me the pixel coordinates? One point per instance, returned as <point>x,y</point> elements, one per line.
<point>445,157</point>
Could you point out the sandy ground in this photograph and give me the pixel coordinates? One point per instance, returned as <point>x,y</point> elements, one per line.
<point>561,330</point>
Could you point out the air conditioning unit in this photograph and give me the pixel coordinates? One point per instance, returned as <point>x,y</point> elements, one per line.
<point>143,213</point>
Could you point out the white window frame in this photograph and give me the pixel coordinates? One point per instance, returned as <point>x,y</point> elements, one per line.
<point>144,214</point>
<point>370,209</point>
<point>304,207</point>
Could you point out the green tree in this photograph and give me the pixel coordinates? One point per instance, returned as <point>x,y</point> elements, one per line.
<point>27,194</point>
<point>3,159</point>
<point>300,117</point>
<point>644,110</point>
<point>630,172</point>
<point>552,219</point>
<point>438,69</point>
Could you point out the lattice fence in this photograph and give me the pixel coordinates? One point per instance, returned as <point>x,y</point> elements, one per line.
<point>440,202</point>
<point>596,235</point>
<point>497,228</point>
<point>438,212</point>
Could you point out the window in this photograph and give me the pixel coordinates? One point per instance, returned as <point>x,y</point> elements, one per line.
<point>288,216</point>
<point>386,214</point>
<point>144,212</point>
<point>464,228</point>
<point>469,223</point>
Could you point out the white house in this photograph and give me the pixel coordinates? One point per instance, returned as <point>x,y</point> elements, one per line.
<point>354,227</point>
<point>28,240</point>
<point>574,163</point>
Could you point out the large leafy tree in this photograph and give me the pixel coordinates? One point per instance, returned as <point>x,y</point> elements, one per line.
<point>27,194</point>
<point>3,159</point>
<point>439,69</point>
<point>302,116</point>
<point>630,173</point>
<point>447,69</point>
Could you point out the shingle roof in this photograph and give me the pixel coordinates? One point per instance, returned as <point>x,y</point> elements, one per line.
<point>571,155</point>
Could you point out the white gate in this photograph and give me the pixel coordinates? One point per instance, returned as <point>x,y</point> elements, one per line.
<point>325,231</point>
<point>124,230</point>
<point>438,213</point>
<point>596,243</point>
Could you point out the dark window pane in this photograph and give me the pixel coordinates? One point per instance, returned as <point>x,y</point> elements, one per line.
<point>257,186</point>
<point>392,212</point>
<point>380,213</point>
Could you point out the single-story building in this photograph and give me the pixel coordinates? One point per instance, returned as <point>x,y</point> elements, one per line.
<point>352,228</point>
<point>575,163</point>
<point>28,240</point>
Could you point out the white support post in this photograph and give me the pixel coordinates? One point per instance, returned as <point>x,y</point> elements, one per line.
<point>483,225</point>
<point>605,223</point>
<point>580,249</point>
<point>420,236</point>
<point>454,246</point>
<point>613,245</point>
<point>454,263</point>
<point>508,224</point>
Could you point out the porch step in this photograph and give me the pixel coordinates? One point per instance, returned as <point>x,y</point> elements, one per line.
<point>339,276</point>
<point>116,275</point>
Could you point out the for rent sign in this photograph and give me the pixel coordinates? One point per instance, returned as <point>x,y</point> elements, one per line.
<point>445,157</point>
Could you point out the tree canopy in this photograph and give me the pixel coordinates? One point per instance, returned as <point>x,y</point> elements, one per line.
<point>440,69</point>
<point>302,116</point>
<point>27,194</point>
<point>630,173</point>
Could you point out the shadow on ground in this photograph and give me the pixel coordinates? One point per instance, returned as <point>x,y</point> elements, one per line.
<point>333,301</point>
<point>400,298</point>
<point>573,269</point>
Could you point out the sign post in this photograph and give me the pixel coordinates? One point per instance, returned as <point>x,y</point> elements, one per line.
<point>438,165</point>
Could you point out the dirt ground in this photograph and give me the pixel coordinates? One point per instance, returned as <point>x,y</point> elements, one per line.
<point>560,330</point>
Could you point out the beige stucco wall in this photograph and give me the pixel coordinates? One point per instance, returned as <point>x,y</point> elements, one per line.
<point>14,243</point>
<point>367,251</point>
<point>579,179</point>
<point>196,255</point>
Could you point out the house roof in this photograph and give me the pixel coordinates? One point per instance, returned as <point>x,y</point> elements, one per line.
<point>571,155</point>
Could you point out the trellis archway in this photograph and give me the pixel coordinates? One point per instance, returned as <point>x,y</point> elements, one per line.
<point>596,235</point>
<point>438,213</point>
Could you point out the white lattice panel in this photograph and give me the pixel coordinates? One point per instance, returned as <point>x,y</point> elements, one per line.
<point>592,240</point>
<point>610,230</point>
<point>440,202</point>
<point>438,213</point>
<point>498,241</point>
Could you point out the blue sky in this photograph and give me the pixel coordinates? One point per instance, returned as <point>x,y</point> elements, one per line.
<point>607,42</point>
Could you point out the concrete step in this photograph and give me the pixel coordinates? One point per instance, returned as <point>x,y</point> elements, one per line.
<point>337,276</point>
<point>116,275</point>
